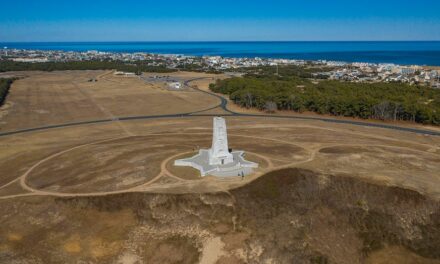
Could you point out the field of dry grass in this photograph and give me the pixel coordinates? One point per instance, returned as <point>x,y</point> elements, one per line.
<point>108,193</point>
<point>46,98</point>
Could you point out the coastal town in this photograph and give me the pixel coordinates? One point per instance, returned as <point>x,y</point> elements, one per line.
<point>333,70</point>
<point>220,132</point>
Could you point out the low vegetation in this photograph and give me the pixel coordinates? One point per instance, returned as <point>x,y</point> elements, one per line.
<point>343,207</point>
<point>5,84</point>
<point>384,101</point>
<point>137,67</point>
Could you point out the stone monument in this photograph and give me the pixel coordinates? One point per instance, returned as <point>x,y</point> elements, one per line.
<point>219,152</point>
<point>219,160</point>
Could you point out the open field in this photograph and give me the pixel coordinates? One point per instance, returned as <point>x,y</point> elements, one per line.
<point>108,193</point>
<point>47,98</point>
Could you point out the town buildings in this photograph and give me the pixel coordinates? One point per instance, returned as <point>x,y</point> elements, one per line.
<point>334,70</point>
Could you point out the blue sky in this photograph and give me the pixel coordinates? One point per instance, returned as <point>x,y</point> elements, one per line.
<point>96,20</point>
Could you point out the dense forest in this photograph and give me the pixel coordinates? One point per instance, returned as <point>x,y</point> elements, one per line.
<point>303,71</point>
<point>4,89</point>
<point>138,67</point>
<point>385,101</point>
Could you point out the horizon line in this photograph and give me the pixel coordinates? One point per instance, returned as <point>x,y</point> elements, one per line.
<point>210,41</point>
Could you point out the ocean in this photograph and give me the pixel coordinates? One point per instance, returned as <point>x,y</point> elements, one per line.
<point>398,52</point>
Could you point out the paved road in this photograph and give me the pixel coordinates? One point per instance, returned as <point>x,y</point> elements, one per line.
<point>223,104</point>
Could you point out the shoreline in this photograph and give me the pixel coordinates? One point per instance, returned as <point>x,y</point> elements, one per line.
<point>423,53</point>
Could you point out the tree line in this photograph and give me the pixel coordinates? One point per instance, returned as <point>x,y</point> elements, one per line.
<point>138,67</point>
<point>5,84</point>
<point>384,101</point>
<point>302,71</point>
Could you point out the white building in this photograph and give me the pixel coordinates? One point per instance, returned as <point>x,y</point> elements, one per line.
<point>175,85</point>
<point>30,59</point>
<point>407,71</point>
<point>124,74</point>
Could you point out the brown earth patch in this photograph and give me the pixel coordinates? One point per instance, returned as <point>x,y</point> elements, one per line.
<point>344,150</point>
<point>12,189</point>
<point>109,166</point>
<point>171,250</point>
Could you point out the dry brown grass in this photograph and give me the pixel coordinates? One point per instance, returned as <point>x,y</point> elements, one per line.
<point>398,255</point>
<point>46,98</point>
<point>328,194</point>
<point>393,157</point>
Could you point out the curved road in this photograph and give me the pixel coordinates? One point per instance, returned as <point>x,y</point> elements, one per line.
<point>223,105</point>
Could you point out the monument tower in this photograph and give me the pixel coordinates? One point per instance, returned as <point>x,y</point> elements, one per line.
<point>219,152</point>
<point>219,160</point>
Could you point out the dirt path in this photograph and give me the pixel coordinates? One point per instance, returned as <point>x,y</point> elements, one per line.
<point>164,171</point>
<point>145,186</point>
<point>212,250</point>
<point>140,188</point>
